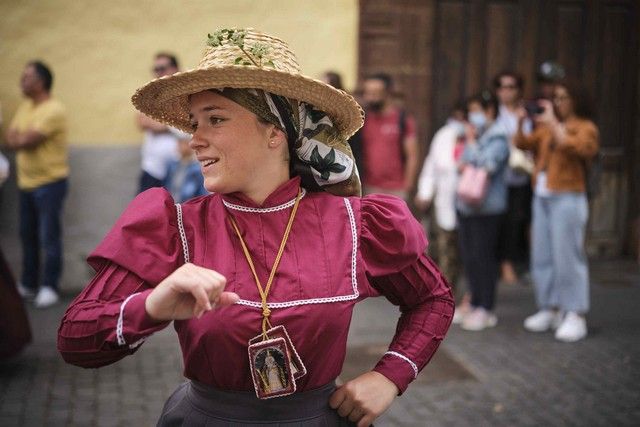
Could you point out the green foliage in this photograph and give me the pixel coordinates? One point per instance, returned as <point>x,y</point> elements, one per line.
<point>255,54</point>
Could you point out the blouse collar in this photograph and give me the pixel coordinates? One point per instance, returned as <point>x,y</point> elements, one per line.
<point>282,198</point>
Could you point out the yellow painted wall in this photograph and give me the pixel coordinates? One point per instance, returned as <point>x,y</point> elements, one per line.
<point>101,51</point>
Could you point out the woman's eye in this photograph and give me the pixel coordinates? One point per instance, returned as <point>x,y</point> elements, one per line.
<point>215,120</point>
<point>194,126</point>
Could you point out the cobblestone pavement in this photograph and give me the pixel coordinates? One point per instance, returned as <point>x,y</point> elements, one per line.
<point>510,377</point>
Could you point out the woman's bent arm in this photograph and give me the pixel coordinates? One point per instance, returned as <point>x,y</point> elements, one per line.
<point>107,321</point>
<point>426,305</point>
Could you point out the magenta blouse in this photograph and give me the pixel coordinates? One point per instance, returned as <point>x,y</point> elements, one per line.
<point>340,251</point>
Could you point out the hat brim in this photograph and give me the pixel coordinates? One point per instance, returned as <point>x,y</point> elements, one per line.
<point>166,99</point>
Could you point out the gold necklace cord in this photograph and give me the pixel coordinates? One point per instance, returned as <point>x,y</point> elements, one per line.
<point>264,293</point>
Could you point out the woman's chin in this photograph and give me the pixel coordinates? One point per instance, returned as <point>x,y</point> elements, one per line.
<point>213,186</point>
<point>216,186</point>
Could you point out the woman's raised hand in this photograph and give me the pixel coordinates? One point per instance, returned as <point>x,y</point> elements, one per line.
<point>548,116</point>
<point>188,292</point>
<point>364,398</point>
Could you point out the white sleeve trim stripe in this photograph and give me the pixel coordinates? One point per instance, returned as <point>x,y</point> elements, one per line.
<point>137,343</point>
<point>406,359</point>
<point>183,235</point>
<point>119,335</point>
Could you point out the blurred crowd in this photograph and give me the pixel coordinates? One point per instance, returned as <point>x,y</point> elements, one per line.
<point>504,185</point>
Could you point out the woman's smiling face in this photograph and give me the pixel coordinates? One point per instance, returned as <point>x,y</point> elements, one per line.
<point>230,143</point>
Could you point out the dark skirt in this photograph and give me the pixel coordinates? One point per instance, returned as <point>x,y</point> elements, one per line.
<point>196,404</point>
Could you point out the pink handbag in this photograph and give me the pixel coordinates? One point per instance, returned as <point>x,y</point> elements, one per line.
<point>473,185</point>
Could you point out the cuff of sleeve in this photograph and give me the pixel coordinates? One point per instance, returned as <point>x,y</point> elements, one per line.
<point>398,368</point>
<point>134,324</point>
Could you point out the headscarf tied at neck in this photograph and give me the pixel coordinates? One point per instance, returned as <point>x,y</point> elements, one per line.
<point>317,152</point>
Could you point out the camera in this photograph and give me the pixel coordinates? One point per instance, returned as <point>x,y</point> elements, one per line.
<point>533,108</point>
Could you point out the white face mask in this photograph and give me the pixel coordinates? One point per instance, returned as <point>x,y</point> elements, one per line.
<point>478,120</point>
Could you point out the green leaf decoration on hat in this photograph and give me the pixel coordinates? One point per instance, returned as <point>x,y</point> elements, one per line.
<point>255,54</point>
<point>325,165</point>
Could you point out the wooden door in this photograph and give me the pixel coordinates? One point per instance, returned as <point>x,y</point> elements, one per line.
<point>440,51</point>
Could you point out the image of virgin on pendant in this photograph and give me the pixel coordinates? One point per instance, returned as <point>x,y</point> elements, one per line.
<point>271,368</point>
<point>279,331</point>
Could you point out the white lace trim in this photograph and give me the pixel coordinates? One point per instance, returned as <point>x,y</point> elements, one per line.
<point>137,343</point>
<point>406,359</point>
<point>183,235</point>
<point>354,281</point>
<point>119,335</point>
<point>263,210</point>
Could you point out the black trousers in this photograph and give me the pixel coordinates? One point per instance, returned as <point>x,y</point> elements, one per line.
<point>514,232</point>
<point>478,244</point>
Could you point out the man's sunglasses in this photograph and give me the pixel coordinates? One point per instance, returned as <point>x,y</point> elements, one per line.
<point>160,69</point>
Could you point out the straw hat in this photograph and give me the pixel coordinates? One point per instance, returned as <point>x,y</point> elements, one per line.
<point>245,58</point>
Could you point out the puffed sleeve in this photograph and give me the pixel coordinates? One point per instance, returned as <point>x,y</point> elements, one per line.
<point>391,238</point>
<point>145,239</point>
<point>393,250</point>
<point>108,320</point>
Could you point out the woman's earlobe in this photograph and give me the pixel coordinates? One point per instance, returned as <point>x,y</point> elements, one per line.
<point>277,137</point>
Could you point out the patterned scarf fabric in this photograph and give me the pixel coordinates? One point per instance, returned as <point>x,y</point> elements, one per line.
<point>316,148</point>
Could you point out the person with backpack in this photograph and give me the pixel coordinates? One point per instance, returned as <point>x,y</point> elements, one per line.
<point>388,139</point>
<point>564,142</point>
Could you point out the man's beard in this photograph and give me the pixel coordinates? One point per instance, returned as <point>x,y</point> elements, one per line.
<point>376,105</point>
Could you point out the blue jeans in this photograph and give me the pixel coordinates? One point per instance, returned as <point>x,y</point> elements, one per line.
<point>40,227</point>
<point>558,260</point>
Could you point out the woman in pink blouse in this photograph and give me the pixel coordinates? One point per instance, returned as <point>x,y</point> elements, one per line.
<point>260,278</point>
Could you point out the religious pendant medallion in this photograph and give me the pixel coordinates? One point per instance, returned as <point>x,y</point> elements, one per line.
<point>271,369</point>
<point>297,367</point>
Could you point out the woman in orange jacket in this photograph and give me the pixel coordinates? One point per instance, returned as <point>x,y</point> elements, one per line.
<point>564,142</point>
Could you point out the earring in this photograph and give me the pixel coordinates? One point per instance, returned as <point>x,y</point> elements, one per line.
<point>272,143</point>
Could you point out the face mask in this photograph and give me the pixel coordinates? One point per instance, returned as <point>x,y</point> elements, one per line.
<point>477,119</point>
<point>376,105</point>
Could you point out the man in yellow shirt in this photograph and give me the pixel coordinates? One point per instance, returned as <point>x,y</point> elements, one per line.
<point>38,133</point>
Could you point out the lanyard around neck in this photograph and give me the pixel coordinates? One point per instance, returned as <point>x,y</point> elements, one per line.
<point>264,292</point>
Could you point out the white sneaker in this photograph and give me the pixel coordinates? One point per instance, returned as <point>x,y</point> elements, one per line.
<point>46,297</point>
<point>478,320</point>
<point>461,312</point>
<point>573,328</point>
<point>543,320</point>
<point>25,292</point>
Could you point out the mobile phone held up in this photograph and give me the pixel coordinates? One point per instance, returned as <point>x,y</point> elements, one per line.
<point>533,108</point>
